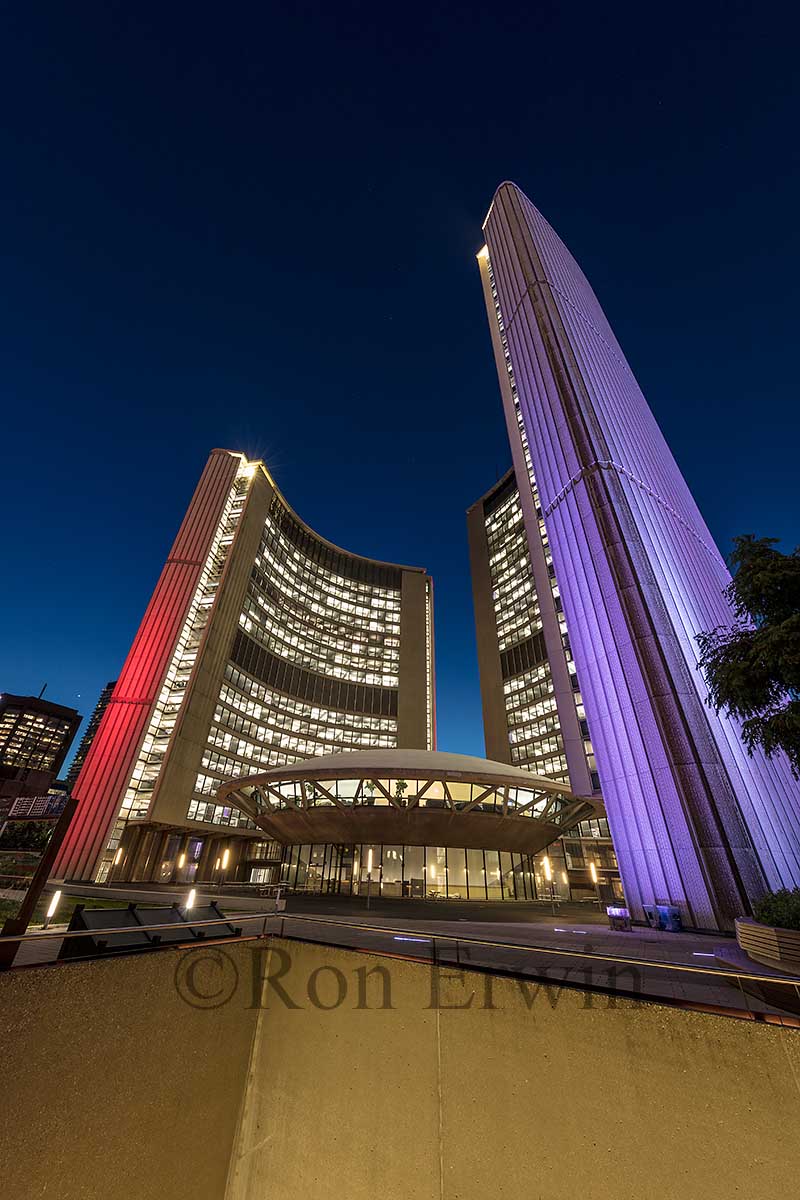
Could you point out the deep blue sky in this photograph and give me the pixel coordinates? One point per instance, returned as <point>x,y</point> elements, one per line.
<point>254,226</point>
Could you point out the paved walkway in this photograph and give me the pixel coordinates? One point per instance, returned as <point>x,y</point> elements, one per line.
<point>574,946</point>
<point>680,967</point>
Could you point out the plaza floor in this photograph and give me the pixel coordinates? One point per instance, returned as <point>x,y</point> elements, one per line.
<point>572,947</point>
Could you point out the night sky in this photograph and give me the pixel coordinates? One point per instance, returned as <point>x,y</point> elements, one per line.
<point>255,226</point>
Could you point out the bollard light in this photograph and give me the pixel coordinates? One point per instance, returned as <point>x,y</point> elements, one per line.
<point>52,908</point>
<point>190,899</point>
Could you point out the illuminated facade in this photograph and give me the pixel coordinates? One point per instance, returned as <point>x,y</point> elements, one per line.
<point>262,644</point>
<point>694,820</point>
<point>533,712</point>
<point>35,737</point>
<point>410,823</point>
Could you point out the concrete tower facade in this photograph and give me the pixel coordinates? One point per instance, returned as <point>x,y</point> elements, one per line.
<point>695,821</point>
<point>533,710</point>
<point>262,644</point>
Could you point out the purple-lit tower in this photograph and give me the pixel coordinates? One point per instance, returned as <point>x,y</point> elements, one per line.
<point>694,820</point>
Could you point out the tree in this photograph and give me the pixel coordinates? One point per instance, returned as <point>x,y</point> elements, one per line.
<point>26,835</point>
<point>752,668</point>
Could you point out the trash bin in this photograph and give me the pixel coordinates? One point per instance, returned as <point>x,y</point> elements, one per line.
<point>619,917</point>
<point>651,913</point>
<point>669,918</point>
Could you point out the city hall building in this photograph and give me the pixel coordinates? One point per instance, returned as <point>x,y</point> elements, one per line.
<point>274,722</point>
<point>263,644</point>
<point>410,823</point>
<point>275,717</point>
<point>534,716</point>
<point>695,819</point>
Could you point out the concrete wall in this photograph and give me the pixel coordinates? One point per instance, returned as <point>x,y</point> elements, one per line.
<point>134,1092</point>
<point>113,1086</point>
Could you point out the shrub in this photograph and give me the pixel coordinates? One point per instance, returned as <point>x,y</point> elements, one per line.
<point>781,909</point>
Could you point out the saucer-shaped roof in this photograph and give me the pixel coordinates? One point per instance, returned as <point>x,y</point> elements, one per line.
<point>398,763</point>
<point>413,797</point>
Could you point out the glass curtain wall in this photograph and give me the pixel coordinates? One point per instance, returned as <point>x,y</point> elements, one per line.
<point>429,872</point>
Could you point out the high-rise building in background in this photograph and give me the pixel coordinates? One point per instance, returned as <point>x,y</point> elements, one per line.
<point>694,820</point>
<point>35,737</point>
<point>533,712</point>
<point>88,737</point>
<point>262,644</point>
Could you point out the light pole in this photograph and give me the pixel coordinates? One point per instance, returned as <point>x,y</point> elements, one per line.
<point>596,882</point>
<point>548,874</point>
<point>180,863</point>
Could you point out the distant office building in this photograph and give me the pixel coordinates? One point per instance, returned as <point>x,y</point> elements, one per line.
<point>41,808</point>
<point>35,737</point>
<point>533,711</point>
<point>262,644</point>
<point>694,820</point>
<point>88,737</point>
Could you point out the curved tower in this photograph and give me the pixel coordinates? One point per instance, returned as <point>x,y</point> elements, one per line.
<point>695,821</point>
<point>262,644</point>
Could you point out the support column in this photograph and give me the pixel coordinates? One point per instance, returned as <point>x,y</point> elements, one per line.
<point>205,867</point>
<point>129,844</point>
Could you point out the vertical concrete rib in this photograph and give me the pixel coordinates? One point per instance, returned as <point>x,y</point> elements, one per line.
<point>102,782</point>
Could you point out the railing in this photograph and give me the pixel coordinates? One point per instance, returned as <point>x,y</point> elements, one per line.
<point>15,882</point>
<point>274,924</point>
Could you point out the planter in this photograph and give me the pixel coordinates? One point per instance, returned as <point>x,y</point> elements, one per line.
<point>776,948</point>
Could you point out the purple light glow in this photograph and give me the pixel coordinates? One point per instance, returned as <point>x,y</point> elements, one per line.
<point>693,818</point>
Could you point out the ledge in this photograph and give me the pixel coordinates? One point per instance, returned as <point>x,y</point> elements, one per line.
<point>767,944</point>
